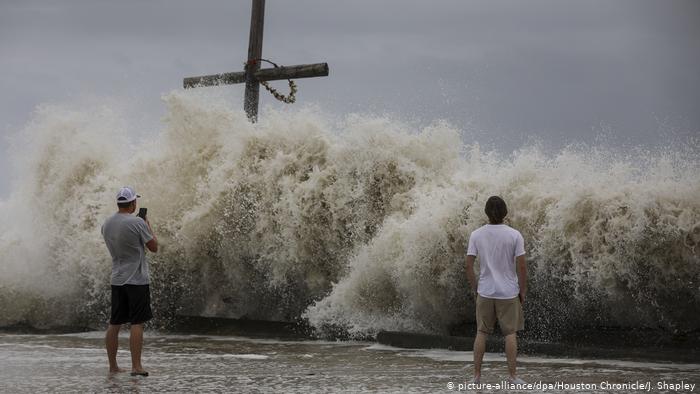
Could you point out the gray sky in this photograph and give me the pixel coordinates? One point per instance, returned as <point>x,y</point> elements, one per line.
<point>507,71</point>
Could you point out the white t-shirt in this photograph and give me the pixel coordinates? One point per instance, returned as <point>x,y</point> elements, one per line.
<point>497,246</point>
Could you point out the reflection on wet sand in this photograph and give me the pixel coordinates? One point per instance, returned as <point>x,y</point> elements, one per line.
<point>185,363</point>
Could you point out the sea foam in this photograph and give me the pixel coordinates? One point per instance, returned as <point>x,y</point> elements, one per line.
<point>356,224</point>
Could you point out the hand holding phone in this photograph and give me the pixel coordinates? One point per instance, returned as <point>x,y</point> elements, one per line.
<point>142,213</point>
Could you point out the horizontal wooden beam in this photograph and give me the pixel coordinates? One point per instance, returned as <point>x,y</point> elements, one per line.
<point>265,74</point>
<point>214,80</point>
<point>293,72</point>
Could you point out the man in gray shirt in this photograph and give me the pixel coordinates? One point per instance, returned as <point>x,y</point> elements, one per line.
<point>126,237</point>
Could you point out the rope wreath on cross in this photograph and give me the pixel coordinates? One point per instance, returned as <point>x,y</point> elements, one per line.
<point>289,99</point>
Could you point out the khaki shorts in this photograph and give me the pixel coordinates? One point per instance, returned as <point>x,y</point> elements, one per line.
<point>509,314</point>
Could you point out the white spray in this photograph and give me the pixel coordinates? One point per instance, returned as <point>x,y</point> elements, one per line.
<point>358,225</point>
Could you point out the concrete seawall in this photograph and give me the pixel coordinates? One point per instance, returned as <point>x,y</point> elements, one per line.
<point>495,344</point>
<point>594,344</point>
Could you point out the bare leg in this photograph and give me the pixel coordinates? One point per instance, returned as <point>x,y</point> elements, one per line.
<point>479,349</point>
<point>112,344</point>
<point>511,353</point>
<point>135,345</point>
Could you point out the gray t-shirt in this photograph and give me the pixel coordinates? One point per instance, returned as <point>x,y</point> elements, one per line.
<point>125,236</point>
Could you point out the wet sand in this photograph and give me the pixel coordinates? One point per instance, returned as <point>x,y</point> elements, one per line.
<point>187,363</point>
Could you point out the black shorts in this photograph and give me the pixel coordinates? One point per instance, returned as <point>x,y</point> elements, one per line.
<point>131,304</point>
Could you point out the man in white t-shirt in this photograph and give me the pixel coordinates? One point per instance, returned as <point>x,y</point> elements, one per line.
<point>500,291</point>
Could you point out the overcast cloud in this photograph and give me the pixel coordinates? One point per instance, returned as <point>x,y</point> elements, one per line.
<point>559,71</point>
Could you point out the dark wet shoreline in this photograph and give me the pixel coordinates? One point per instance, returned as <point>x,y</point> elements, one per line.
<point>589,350</point>
<point>591,343</point>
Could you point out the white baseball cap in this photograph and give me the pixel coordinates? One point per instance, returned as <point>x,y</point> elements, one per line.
<point>126,194</point>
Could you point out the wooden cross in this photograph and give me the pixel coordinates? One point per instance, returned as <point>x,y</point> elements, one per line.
<point>253,74</point>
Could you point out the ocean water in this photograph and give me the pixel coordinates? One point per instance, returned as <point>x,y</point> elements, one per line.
<point>189,363</point>
<point>355,225</point>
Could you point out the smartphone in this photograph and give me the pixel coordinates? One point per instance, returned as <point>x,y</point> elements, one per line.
<point>142,213</point>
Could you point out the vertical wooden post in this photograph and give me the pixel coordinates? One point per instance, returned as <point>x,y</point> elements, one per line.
<point>252,86</point>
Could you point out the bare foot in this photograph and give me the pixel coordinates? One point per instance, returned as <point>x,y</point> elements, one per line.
<point>139,372</point>
<point>117,370</point>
